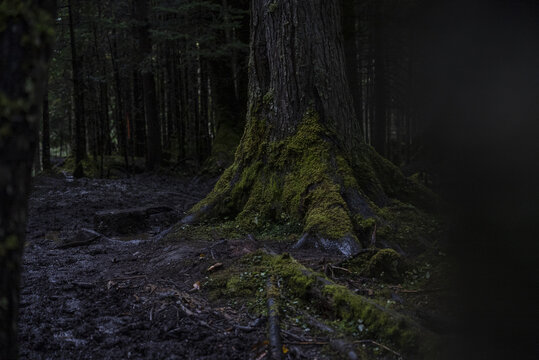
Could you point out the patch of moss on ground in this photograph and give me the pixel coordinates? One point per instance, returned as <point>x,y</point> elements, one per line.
<point>385,264</point>
<point>409,227</point>
<point>244,283</point>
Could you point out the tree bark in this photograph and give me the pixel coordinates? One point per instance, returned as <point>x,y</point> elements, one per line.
<point>183,116</point>
<point>349,20</point>
<point>78,95</point>
<point>138,116</point>
<point>22,86</point>
<point>121,133</point>
<point>46,136</point>
<point>302,157</point>
<point>203,135</point>
<point>228,118</point>
<point>153,158</point>
<point>380,114</point>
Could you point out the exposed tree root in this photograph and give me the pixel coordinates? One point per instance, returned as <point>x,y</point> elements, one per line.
<point>274,328</point>
<point>338,199</point>
<point>332,301</point>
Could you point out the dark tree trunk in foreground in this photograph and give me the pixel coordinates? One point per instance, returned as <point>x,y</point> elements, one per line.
<point>153,158</point>
<point>25,40</point>
<point>301,156</point>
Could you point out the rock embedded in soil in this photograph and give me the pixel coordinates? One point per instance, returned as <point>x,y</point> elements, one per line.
<point>127,221</point>
<point>81,238</point>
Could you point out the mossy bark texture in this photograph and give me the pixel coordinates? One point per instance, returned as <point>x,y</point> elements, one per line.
<point>301,158</point>
<point>26,31</point>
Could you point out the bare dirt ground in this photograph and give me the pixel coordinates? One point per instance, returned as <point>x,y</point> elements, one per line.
<point>142,295</point>
<point>121,297</point>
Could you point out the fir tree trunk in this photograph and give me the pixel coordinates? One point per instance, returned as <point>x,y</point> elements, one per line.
<point>121,133</point>
<point>182,117</point>
<point>138,116</point>
<point>301,158</point>
<point>78,95</point>
<point>45,142</point>
<point>229,121</point>
<point>350,9</point>
<point>380,112</point>
<point>22,85</point>
<point>153,158</point>
<point>106,144</point>
<point>204,138</point>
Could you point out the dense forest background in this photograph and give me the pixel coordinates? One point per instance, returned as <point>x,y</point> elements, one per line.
<point>184,65</point>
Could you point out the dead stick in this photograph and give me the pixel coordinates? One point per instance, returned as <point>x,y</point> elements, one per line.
<point>274,329</point>
<point>292,335</point>
<point>307,342</point>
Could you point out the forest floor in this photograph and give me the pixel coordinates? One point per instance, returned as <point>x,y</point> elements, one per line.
<point>138,297</point>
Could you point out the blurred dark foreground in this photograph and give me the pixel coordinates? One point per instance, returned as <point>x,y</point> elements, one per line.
<point>481,97</point>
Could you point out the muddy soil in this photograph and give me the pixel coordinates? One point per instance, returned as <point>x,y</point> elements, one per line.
<point>126,297</point>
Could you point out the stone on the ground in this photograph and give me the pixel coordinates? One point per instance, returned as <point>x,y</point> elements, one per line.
<point>127,221</point>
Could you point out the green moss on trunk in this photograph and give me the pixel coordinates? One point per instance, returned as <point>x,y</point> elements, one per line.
<point>305,179</point>
<point>295,179</point>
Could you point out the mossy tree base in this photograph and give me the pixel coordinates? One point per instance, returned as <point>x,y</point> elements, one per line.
<point>307,179</point>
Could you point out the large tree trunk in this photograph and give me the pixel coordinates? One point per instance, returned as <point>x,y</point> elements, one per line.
<point>23,60</point>
<point>301,157</point>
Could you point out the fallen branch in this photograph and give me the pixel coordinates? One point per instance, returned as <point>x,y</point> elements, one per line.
<point>292,335</point>
<point>90,235</point>
<point>274,329</point>
<point>348,306</point>
<point>307,342</point>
